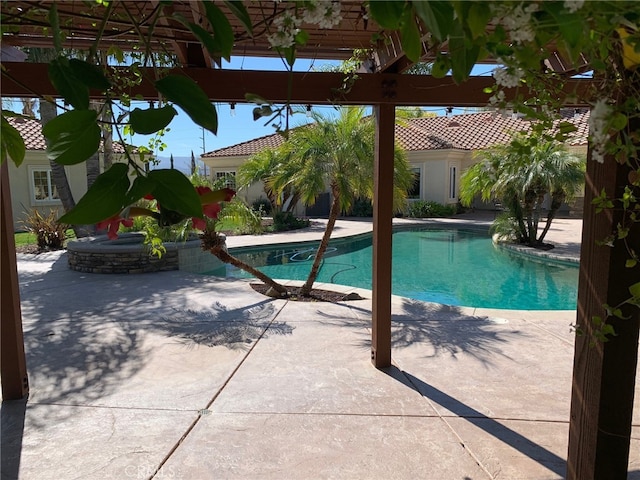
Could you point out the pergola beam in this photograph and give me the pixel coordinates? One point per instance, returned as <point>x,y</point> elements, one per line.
<point>23,79</point>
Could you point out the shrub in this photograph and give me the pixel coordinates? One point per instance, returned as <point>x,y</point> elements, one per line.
<point>362,207</point>
<point>283,221</point>
<point>262,204</point>
<point>50,234</point>
<point>426,209</point>
<point>237,217</point>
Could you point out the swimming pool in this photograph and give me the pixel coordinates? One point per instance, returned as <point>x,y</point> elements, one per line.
<point>450,266</point>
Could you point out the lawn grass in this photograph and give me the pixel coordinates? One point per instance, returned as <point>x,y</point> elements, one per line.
<point>25,238</point>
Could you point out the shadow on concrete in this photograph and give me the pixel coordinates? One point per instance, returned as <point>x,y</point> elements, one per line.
<point>87,334</point>
<point>235,328</point>
<point>446,329</point>
<point>12,414</point>
<point>494,428</point>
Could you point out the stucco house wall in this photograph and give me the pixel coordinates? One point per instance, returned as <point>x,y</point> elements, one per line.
<point>23,190</point>
<point>31,183</point>
<point>440,148</point>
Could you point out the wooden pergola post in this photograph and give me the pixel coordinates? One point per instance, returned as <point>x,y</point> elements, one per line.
<point>604,373</point>
<point>13,365</point>
<point>382,233</point>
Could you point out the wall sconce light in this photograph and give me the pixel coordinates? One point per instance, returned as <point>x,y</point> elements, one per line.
<point>232,109</point>
<point>309,111</point>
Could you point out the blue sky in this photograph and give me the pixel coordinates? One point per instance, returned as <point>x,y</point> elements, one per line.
<point>184,136</point>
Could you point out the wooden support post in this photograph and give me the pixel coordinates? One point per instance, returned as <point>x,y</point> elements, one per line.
<point>382,232</point>
<point>603,374</point>
<point>13,365</point>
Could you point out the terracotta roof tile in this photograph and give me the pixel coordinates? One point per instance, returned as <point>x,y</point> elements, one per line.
<point>247,148</point>
<point>472,131</point>
<point>31,132</point>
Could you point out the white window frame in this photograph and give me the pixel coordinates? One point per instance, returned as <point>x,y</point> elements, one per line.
<point>454,179</point>
<point>229,183</point>
<point>50,200</point>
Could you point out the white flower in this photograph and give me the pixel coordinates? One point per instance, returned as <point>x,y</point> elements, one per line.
<point>598,134</point>
<point>573,5</point>
<point>497,99</point>
<point>324,13</point>
<point>518,23</point>
<point>286,29</point>
<point>508,77</point>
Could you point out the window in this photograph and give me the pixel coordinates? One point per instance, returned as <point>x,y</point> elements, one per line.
<point>453,194</point>
<point>414,191</point>
<point>42,187</point>
<point>230,179</point>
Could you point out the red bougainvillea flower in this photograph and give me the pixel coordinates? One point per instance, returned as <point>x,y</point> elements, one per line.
<point>112,224</point>
<point>208,196</point>
<point>210,205</point>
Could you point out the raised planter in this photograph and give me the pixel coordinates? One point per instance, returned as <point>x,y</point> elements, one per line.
<point>128,254</point>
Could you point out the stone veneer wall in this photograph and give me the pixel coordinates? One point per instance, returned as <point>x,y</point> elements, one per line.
<point>128,255</point>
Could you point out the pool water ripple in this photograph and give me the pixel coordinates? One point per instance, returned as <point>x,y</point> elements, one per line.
<point>449,266</point>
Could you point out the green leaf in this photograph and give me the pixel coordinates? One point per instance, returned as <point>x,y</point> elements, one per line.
<point>630,263</point>
<point>174,191</point>
<point>202,35</point>
<point>567,127</point>
<point>206,39</point>
<point>105,198</point>
<point>186,93</point>
<point>240,12</point>
<point>463,57</point>
<point>437,16</point>
<point>634,290</point>
<point>74,92</point>
<point>387,14</point>
<point>223,33</point>
<point>151,120</point>
<point>259,112</point>
<point>89,75</point>
<point>116,52</point>
<point>411,43</point>
<point>618,121</point>
<point>478,17</point>
<point>141,186</point>
<point>54,21</point>
<point>11,143</point>
<point>72,137</point>
<point>257,99</point>
<point>440,67</point>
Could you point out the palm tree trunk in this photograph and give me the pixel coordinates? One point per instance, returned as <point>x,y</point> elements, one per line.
<point>324,243</point>
<point>536,218</point>
<point>223,255</point>
<point>557,198</point>
<point>107,138</point>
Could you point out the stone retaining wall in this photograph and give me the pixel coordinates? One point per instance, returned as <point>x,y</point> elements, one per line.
<point>128,255</point>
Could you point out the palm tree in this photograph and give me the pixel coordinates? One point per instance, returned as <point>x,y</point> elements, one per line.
<point>270,166</point>
<point>521,174</point>
<point>338,153</point>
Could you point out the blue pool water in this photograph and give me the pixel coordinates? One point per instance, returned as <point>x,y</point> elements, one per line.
<point>454,267</point>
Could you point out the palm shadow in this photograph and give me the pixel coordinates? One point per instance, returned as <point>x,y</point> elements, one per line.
<point>494,428</point>
<point>440,329</point>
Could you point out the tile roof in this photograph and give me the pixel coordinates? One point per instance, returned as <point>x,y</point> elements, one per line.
<point>31,132</point>
<point>247,148</point>
<point>471,131</point>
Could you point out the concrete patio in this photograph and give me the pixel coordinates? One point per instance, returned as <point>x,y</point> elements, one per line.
<point>176,375</point>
